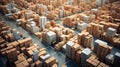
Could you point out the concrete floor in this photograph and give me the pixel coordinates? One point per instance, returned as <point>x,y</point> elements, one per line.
<point>62,59</point>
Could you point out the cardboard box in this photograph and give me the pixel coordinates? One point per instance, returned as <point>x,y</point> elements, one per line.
<point>55,65</point>
<point>102,65</point>
<point>15,44</point>
<point>102,51</point>
<point>44,39</point>
<point>25,64</point>
<point>38,63</point>
<point>25,42</point>
<point>78,57</point>
<point>12,55</point>
<point>29,60</point>
<point>11,36</point>
<point>79,39</point>
<point>74,49</point>
<point>90,63</point>
<point>49,62</point>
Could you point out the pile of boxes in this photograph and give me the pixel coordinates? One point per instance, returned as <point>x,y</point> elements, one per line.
<point>21,53</point>
<point>105,31</point>
<point>102,49</point>
<point>86,40</point>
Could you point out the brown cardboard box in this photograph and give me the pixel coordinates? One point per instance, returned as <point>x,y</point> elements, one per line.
<point>42,53</point>
<point>90,63</point>
<point>49,62</point>
<point>19,65</point>
<point>44,36</point>
<point>54,65</point>
<point>21,57</point>
<point>12,55</point>
<point>23,50</point>
<point>38,34</point>
<point>79,39</point>
<point>102,51</point>
<point>102,65</point>
<point>15,44</point>
<point>25,42</point>
<point>64,65</point>
<point>11,36</point>
<point>30,53</point>
<point>38,63</point>
<point>75,48</point>
<point>78,57</point>
<point>62,38</point>
<point>3,51</point>
<point>32,65</point>
<point>29,60</point>
<point>57,47</point>
<point>25,64</point>
<point>42,49</point>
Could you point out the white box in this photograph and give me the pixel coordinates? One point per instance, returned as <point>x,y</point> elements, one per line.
<point>82,26</point>
<point>51,37</point>
<point>111,32</point>
<point>42,21</point>
<point>43,58</point>
<point>69,45</point>
<point>86,19</point>
<point>61,13</point>
<point>94,10</point>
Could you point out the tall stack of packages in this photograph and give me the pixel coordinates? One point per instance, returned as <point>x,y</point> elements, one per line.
<point>97,42</point>
<point>44,39</point>
<point>12,55</point>
<point>85,54</point>
<point>42,22</point>
<point>69,48</point>
<point>78,56</point>
<point>75,48</point>
<point>102,51</point>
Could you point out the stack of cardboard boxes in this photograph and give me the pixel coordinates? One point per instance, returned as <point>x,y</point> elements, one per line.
<point>104,31</point>
<point>85,39</point>
<point>103,50</point>
<point>74,49</point>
